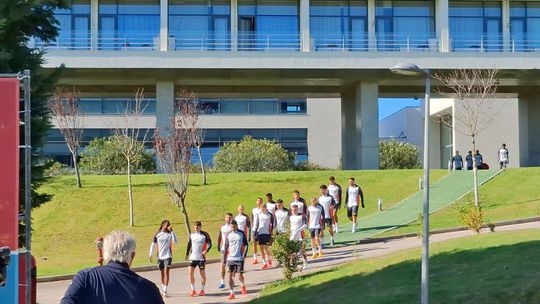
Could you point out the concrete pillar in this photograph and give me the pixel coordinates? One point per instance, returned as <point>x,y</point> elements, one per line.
<point>164,25</point>
<point>305,38</point>
<point>360,127</point>
<point>442,27</point>
<point>523,118</point>
<point>372,29</point>
<point>506,25</point>
<point>324,118</point>
<point>164,105</point>
<point>94,24</point>
<point>234,25</point>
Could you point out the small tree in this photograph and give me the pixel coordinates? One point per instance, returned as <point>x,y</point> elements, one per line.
<point>65,108</point>
<point>286,252</point>
<point>470,215</point>
<point>253,155</point>
<point>174,149</point>
<point>395,154</point>
<point>199,140</point>
<point>131,140</point>
<point>473,91</point>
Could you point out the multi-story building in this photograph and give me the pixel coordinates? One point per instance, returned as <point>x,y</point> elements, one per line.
<point>307,73</point>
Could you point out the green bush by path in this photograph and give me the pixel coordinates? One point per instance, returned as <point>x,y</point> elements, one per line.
<point>501,267</point>
<point>396,154</point>
<point>513,194</point>
<point>66,227</point>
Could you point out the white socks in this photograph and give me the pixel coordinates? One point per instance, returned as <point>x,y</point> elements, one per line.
<point>353,228</point>
<point>202,287</point>
<point>222,281</point>
<point>164,288</point>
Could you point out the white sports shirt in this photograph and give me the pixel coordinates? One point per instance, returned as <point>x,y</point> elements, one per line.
<point>163,241</point>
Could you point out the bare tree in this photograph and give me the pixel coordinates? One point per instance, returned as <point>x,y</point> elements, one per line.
<point>174,149</point>
<point>473,92</point>
<point>65,109</point>
<point>130,140</point>
<point>199,140</point>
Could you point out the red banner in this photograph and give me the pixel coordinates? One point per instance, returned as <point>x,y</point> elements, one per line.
<point>9,162</point>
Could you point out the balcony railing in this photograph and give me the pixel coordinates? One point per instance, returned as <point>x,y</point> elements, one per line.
<point>319,42</point>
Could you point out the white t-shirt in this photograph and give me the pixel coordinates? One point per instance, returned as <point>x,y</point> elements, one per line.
<point>297,227</point>
<point>242,221</point>
<point>236,245</point>
<point>271,207</point>
<point>333,190</point>
<point>224,230</point>
<point>254,212</point>
<point>199,243</point>
<point>326,201</point>
<point>163,241</point>
<point>353,192</point>
<point>315,214</point>
<point>300,206</point>
<point>282,218</point>
<point>503,155</point>
<point>263,223</point>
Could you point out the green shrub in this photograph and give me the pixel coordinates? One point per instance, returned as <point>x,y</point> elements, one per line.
<point>285,252</point>
<point>308,166</point>
<point>253,155</point>
<point>470,215</point>
<point>395,154</point>
<point>57,169</point>
<point>102,156</point>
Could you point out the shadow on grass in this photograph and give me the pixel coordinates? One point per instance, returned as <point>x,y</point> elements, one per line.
<point>504,274</point>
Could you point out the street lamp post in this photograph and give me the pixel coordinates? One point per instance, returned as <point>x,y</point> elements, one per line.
<point>410,69</point>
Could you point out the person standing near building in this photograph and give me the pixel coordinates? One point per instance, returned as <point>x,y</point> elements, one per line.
<point>502,157</point>
<point>282,217</point>
<point>315,214</point>
<point>354,197</point>
<point>254,214</point>
<point>263,226</point>
<point>478,160</point>
<point>163,240</point>
<point>457,161</point>
<point>225,229</point>
<point>113,282</point>
<point>298,225</point>
<point>236,248</point>
<point>198,246</point>
<point>270,204</point>
<point>469,160</point>
<point>243,221</point>
<point>328,203</point>
<point>334,189</point>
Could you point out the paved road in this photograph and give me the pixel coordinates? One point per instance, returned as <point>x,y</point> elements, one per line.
<point>51,292</point>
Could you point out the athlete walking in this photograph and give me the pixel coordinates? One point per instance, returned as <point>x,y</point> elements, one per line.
<point>270,204</point>
<point>328,203</point>
<point>236,248</point>
<point>354,197</point>
<point>243,221</point>
<point>254,213</point>
<point>334,189</point>
<point>315,214</point>
<point>225,229</point>
<point>298,224</point>
<point>198,246</point>
<point>163,240</point>
<point>282,217</point>
<point>299,202</point>
<point>263,225</point>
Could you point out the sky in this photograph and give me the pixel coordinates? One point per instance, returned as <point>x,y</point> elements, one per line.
<point>388,106</point>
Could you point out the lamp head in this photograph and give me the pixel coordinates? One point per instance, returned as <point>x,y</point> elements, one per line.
<point>408,69</point>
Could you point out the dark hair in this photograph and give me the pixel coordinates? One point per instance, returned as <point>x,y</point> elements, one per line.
<point>470,151</point>
<point>279,201</point>
<point>351,178</point>
<point>296,191</point>
<point>268,194</point>
<point>229,214</point>
<point>161,225</point>
<point>323,187</point>
<point>332,178</point>
<point>234,222</point>
<point>197,223</point>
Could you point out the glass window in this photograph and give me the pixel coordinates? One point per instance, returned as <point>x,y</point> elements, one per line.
<point>234,107</point>
<point>298,106</point>
<point>233,135</point>
<point>525,26</point>
<point>209,106</point>
<point>293,134</point>
<point>74,25</point>
<point>262,107</point>
<point>476,26</point>
<point>270,134</point>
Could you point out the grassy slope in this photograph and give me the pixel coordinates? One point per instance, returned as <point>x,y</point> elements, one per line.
<point>66,227</point>
<point>501,267</point>
<point>513,194</point>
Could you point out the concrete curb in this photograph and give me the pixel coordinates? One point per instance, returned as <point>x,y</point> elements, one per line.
<point>439,231</point>
<point>135,269</point>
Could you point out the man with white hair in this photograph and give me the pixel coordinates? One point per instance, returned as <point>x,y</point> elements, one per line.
<point>114,282</point>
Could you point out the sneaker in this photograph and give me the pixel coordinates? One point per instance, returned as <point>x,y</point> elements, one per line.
<point>221,286</point>
<point>332,243</point>
<point>202,293</point>
<point>164,294</point>
<point>305,267</point>
<point>314,256</point>
<point>320,254</point>
<point>193,293</point>
<point>255,262</point>
<point>337,229</point>
<point>244,290</point>
<point>231,296</point>
<point>270,263</point>
<point>265,266</point>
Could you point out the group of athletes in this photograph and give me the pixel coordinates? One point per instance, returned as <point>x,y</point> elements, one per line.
<point>266,220</point>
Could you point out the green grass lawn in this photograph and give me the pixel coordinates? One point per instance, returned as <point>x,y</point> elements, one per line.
<point>500,267</point>
<point>513,194</point>
<point>66,227</point>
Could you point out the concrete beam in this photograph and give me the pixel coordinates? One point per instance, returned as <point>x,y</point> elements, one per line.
<point>442,27</point>
<point>164,25</point>
<point>94,24</point>
<point>234,25</point>
<point>305,37</point>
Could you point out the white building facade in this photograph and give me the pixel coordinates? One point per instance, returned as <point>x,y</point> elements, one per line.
<point>307,73</point>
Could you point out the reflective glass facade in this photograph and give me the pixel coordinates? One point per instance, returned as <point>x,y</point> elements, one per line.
<point>129,24</point>
<point>525,26</point>
<point>268,25</point>
<point>199,24</point>
<point>96,106</point>
<point>476,25</point>
<point>252,106</point>
<point>405,25</point>
<point>74,25</point>
<point>338,25</point>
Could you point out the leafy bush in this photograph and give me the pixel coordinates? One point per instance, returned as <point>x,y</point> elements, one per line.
<point>285,252</point>
<point>102,156</point>
<point>308,166</point>
<point>253,155</point>
<point>470,215</point>
<point>395,154</point>
<point>57,169</point>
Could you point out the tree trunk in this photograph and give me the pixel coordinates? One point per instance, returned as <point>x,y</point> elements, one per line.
<point>203,171</point>
<point>185,214</point>
<point>76,166</point>
<point>130,192</point>
<point>475,176</point>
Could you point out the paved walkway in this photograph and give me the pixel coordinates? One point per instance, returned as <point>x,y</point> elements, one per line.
<point>52,292</point>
